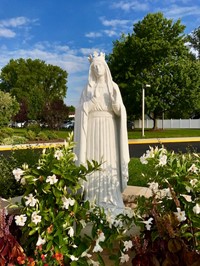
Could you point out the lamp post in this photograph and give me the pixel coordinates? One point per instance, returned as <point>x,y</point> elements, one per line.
<point>143,105</point>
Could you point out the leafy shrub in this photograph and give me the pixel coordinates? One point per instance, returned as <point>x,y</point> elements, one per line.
<point>5,132</point>
<point>51,134</point>
<point>34,127</point>
<point>42,136</point>
<point>14,140</point>
<point>169,218</point>
<point>30,135</point>
<point>54,215</point>
<point>9,186</point>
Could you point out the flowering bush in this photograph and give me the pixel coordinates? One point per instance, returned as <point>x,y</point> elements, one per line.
<point>54,216</point>
<point>169,218</point>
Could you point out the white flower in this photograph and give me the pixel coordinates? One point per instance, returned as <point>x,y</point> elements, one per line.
<point>18,173</point>
<point>20,219</point>
<point>148,223</point>
<point>153,186</point>
<point>40,241</point>
<point>143,159</point>
<point>127,245</point>
<point>30,200</point>
<point>83,223</point>
<point>124,257</point>
<point>73,258</point>
<point>128,212</point>
<point>23,181</point>
<point>196,209</point>
<point>58,154</point>
<point>35,218</point>
<point>193,169</point>
<point>163,160</point>
<point>97,248</point>
<point>67,202</point>
<point>71,232</point>
<point>180,215</point>
<point>101,237</point>
<point>193,182</point>
<point>75,158</point>
<point>95,263</point>
<point>51,179</point>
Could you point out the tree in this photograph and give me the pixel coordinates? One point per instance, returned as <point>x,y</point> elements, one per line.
<point>8,108</point>
<point>34,82</point>
<point>55,113</point>
<point>155,54</point>
<point>194,40</point>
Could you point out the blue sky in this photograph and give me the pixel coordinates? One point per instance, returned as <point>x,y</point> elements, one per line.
<point>65,32</point>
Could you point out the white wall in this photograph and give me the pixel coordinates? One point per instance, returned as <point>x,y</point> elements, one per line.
<point>169,123</point>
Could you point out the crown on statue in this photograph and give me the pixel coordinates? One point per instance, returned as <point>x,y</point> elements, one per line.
<point>96,56</point>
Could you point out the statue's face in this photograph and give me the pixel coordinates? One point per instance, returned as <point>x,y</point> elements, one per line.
<point>99,69</point>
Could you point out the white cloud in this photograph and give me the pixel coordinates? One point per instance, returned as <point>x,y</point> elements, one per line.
<point>110,33</point>
<point>176,11</point>
<point>130,5</point>
<point>14,22</point>
<point>114,22</point>
<point>93,34</point>
<point>7,33</point>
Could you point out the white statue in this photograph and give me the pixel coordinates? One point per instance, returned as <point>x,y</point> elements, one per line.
<point>101,135</point>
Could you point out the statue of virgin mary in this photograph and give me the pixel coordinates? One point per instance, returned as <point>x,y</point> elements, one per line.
<point>100,134</point>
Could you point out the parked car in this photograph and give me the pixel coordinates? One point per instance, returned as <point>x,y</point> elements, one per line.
<point>130,125</point>
<point>68,124</point>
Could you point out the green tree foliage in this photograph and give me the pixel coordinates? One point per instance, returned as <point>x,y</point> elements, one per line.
<point>194,40</point>
<point>34,82</point>
<point>8,108</point>
<point>155,54</point>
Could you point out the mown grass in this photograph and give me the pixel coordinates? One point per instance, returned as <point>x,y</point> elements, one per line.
<point>135,134</point>
<point>138,173</point>
<point>166,133</point>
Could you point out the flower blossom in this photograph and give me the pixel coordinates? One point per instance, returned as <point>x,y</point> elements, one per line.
<point>20,219</point>
<point>97,248</point>
<point>58,154</point>
<point>127,245</point>
<point>153,186</point>
<point>163,160</point>
<point>67,202</point>
<point>128,212</point>
<point>73,258</point>
<point>35,218</point>
<point>51,179</point>
<point>17,174</point>
<point>143,159</point>
<point>180,215</point>
<point>71,232</point>
<point>30,200</point>
<point>196,208</point>
<point>101,237</point>
<point>148,223</point>
<point>193,182</point>
<point>193,169</point>
<point>40,241</point>
<point>124,258</point>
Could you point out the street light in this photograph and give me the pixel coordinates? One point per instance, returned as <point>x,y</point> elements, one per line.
<point>143,105</point>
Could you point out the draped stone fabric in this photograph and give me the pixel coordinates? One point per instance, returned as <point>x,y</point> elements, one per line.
<point>101,134</point>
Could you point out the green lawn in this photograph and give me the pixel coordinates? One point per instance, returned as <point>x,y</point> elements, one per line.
<point>166,133</point>
<point>137,133</point>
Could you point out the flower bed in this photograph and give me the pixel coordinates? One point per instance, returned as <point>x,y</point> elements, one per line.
<point>54,217</point>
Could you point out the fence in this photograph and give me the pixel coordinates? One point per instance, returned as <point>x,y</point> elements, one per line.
<point>169,123</point>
